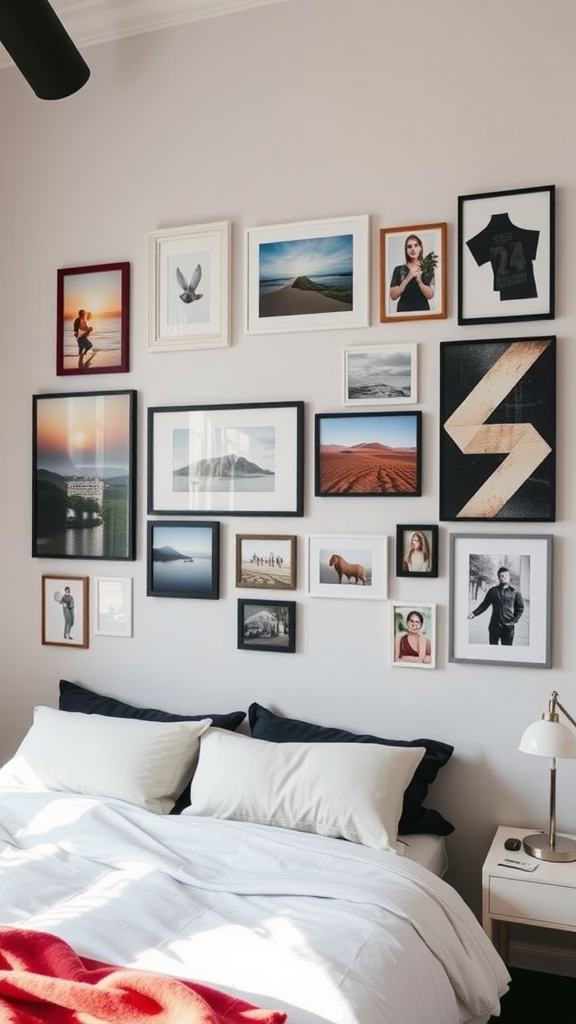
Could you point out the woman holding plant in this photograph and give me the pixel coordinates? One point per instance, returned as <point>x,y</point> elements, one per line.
<point>412,282</point>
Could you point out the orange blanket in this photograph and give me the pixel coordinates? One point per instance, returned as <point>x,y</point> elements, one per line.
<point>43,981</point>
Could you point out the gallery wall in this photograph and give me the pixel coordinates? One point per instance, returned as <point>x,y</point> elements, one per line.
<point>304,110</point>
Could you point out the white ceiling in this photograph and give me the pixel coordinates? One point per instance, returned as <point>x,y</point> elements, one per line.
<point>97,21</point>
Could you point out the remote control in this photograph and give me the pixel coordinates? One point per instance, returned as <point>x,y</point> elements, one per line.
<point>520,865</point>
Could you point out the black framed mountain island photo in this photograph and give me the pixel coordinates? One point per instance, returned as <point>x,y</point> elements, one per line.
<point>226,459</point>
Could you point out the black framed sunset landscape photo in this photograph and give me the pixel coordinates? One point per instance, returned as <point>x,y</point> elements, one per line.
<point>83,475</point>
<point>372,453</point>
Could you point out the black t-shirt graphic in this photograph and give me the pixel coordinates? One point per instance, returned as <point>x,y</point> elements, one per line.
<point>511,251</point>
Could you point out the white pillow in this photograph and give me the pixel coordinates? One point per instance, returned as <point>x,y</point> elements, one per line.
<point>349,790</point>
<point>145,763</point>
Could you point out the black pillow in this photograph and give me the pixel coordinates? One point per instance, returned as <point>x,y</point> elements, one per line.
<point>415,819</point>
<point>78,698</point>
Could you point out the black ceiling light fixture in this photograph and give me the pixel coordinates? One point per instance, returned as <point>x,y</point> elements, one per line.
<point>41,48</point>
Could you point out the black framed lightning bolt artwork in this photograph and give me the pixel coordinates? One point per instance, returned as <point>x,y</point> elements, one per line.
<point>498,430</point>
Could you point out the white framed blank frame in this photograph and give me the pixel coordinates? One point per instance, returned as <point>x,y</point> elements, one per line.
<point>112,603</point>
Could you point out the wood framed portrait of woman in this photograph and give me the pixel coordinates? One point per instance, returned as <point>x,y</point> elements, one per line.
<point>413,273</point>
<point>416,550</point>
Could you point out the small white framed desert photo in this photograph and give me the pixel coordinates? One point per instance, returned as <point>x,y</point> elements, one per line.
<point>380,375</point>
<point>413,632</point>
<point>347,566</point>
<point>189,284</point>
<point>65,611</point>
<point>413,272</point>
<point>266,561</point>
<point>112,604</point>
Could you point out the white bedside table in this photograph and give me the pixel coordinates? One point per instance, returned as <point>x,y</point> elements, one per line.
<point>546,897</point>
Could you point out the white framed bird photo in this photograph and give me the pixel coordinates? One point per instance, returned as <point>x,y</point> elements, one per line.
<point>189,287</point>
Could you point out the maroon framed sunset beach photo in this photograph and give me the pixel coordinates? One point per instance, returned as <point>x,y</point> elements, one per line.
<point>93,319</point>
<point>368,454</point>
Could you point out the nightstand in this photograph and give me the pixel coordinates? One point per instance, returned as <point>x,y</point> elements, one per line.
<point>546,897</point>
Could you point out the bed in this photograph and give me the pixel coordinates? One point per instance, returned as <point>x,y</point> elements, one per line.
<point>283,880</point>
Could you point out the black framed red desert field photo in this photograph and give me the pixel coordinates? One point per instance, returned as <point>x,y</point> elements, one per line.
<point>93,319</point>
<point>368,454</point>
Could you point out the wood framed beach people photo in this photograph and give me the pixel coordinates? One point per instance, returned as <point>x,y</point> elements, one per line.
<point>413,635</point>
<point>65,611</point>
<point>498,430</point>
<point>380,375</point>
<point>266,561</point>
<point>348,566</point>
<point>226,459</point>
<point>189,287</point>
<point>506,256</point>
<point>372,453</point>
<point>308,276</point>
<point>266,625</point>
<point>417,550</point>
<point>93,319</point>
<point>413,273</point>
<point>501,599</point>
<point>183,559</point>
<point>83,475</point>
<point>112,603</point>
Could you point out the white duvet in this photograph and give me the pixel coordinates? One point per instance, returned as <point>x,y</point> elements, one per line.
<point>321,928</point>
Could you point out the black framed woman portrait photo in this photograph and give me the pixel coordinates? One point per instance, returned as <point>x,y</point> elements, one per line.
<point>416,550</point>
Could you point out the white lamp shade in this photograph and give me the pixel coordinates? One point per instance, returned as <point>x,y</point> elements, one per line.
<point>548,739</point>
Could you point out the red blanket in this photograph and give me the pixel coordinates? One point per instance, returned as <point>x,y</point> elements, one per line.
<point>43,980</point>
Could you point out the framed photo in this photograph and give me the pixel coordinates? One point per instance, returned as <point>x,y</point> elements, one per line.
<point>506,256</point>
<point>189,287</point>
<point>267,626</point>
<point>372,453</point>
<point>183,560</point>
<point>498,430</point>
<point>226,459</point>
<point>65,611</point>
<point>417,550</point>
<point>112,602</point>
<point>83,475</point>
<point>93,319</point>
<point>347,566</point>
<point>413,273</point>
<point>380,375</point>
<point>266,561</point>
<point>413,632</point>
<point>308,276</point>
<point>501,599</point>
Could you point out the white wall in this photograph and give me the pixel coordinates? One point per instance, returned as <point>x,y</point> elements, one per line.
<point>306,109</point>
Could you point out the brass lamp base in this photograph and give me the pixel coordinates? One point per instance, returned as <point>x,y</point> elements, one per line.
<point>538,845</point>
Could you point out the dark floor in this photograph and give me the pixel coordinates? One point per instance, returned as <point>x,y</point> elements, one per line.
<point>537,998</point>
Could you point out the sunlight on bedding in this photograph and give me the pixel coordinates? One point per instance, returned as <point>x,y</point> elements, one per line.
<point>332,932</point>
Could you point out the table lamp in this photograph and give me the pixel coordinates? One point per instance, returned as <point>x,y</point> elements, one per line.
<point>550,738</point>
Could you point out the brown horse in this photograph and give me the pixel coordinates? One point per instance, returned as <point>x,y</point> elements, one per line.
<point>352,571</point>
